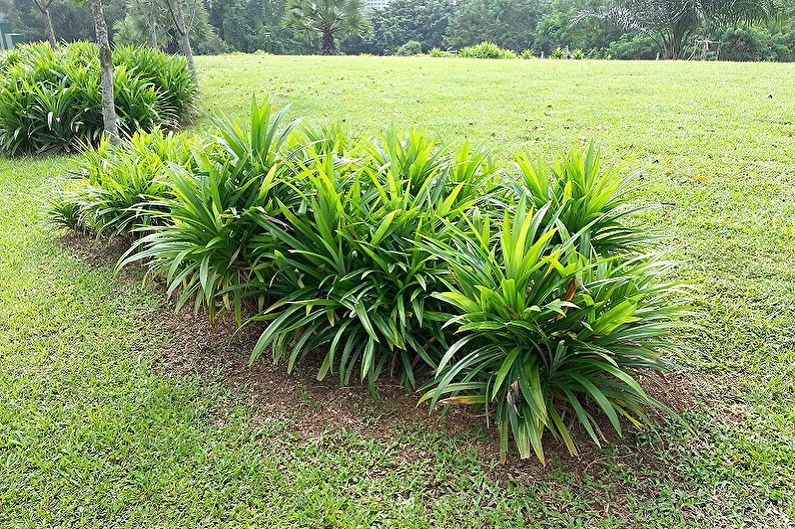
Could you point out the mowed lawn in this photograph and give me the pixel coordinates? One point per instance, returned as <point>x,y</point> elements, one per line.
<point>105,422</point>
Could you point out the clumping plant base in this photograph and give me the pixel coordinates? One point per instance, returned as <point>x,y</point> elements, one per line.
<point>395,254</point>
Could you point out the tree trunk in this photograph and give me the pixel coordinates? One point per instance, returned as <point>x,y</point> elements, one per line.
<point>50,29</point>
<point>184,33</point>
<point>677,51</point>
<point>327,46</point>
<point>152,25</point>
<point>109,119</point>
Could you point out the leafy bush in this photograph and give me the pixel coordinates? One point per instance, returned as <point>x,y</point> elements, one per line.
<point>545,332</point>
<point>525,294</point>
<point>557,53</point>
<point>486,50</point>
<point>50,100</point>
<point>782,44</point>
<point>308,142</point>
<point>352,274</point>
<point>578,54</point>
<point>117,189</point>
<point>584,197</point>
<point>639,46</point>
<point>437,52</point>
<point>411,47</point>
<point>65,212</point>
<point>215,210</point>
<point>169,76</point>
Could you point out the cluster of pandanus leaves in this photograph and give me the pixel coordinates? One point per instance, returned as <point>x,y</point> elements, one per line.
<point>520,289</point>
<point>50,99</point>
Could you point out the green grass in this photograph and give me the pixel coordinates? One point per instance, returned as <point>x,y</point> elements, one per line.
<point>93,434</point>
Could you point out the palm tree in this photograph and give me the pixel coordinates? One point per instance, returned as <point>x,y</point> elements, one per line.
<point>671,23</point>
<point>329,18</point>
<point>141,24</point>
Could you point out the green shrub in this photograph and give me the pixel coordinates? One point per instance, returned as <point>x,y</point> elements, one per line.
<point>578,54</point>
<point>639,46</point>
<point>50,100</point>
<point>215,210</point>
<point>557,53</point>
<point>585,197</point>
<point>526,294</point>
<point>486,50</point>
<point>350,282</point>
<point>307,142</point>
<point>168,75</point>
<point>436,52</point>
<point>353,276</point>
<point>546,333</point>
<point>118,188</point>
<point>65,212</point>
<point>411,47</point>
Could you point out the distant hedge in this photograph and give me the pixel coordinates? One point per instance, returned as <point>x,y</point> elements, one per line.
<point>50,99</point>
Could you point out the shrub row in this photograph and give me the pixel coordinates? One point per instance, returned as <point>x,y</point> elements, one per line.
<point>50,99</point>
<point>487,50</point>
<point>521,289</point>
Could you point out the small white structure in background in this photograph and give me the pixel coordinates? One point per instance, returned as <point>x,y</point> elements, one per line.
<point>375,4</point>
<point>8,39</point>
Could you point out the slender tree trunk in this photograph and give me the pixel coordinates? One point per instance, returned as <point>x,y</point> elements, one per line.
<point>109,118</point>
<point>327,46</point>
<point>676,51</point>
<point>50,29</point>
<point>152,25</point>
<point>175,8</point>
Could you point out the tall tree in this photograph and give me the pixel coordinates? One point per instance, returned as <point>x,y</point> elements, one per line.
<point>183,29</point>
<point>555,28</point>
<point>508,23</point>
<point>44,7</point>
<point>331,19</point>
<point>149,23</point>
<point>251,25</point>
<point>672,23</point>
<point>109,118</point>
<point>400,21</point>
<point>71,20</point>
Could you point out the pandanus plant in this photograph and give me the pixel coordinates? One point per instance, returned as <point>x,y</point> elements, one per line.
<point>214,210</point>
<point>545,332</point>
<point>356,280</point>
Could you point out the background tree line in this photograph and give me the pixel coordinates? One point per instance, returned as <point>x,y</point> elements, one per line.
<point>630,29</point>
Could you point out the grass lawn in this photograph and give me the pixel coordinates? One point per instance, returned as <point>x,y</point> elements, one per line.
<point>115,414</point>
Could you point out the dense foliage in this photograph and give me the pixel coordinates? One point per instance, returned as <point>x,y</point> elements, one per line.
<point>403,21</point>
<point>114,189</point>
<point>636,29</point>
<point>672,24</point>
<point>149,23</point>
<point>526,295</point>
<point>507,23</point>
<point>327,20</point>
<point>50,99</point>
